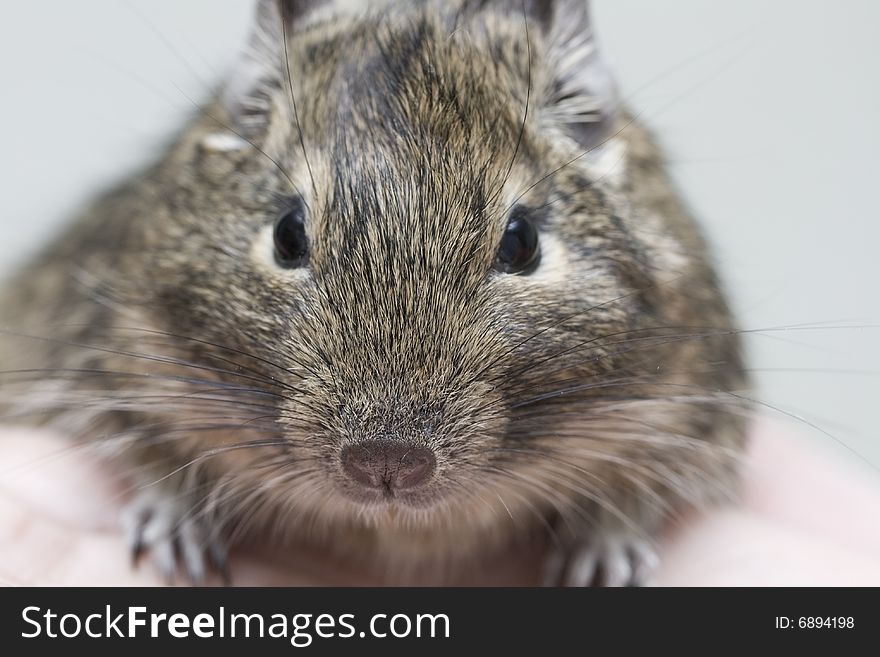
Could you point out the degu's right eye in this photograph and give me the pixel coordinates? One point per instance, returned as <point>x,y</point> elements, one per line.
<point>519,251</point>
<point>291,242</point>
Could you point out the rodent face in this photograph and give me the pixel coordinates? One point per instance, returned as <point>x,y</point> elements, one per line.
<point>419,380</point>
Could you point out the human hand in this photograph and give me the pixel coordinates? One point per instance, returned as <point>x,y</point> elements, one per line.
<point>805,519</point>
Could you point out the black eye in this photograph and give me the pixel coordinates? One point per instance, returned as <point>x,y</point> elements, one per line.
<point>291,243</point>
<point>518,252</point>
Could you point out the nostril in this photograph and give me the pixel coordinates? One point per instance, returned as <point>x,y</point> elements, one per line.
<point>415,467</point>
<point>388,464</point>
<point>360,464</point>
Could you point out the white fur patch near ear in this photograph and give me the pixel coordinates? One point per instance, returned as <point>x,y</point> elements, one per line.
<point>223,142</point>
<point>607,162</point>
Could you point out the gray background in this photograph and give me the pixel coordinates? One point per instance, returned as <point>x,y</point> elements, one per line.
<point>768,110</point>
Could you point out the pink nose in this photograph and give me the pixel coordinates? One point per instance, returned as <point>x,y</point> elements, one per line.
<point>388,464</point>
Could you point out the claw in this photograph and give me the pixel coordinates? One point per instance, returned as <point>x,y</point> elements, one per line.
<point>217,555</point>
<point>136,549</point>
<point>616,560</point>
<point>164,527</point>
<point>133,522</point>
<point>190,550</point>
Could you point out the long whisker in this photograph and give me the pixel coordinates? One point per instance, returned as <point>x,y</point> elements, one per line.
<point>283,17</point>
<point>142,356</point>
<point>522,126</point>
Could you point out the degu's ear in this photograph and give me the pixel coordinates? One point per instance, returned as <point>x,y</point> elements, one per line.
<point>261,70</point>
<point>579,93</point>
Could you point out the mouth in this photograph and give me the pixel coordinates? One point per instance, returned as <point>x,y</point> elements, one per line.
<point>390,498</point>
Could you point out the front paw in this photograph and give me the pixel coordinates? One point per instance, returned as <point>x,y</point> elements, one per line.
<point>603,560</point>
<point>166,525</point>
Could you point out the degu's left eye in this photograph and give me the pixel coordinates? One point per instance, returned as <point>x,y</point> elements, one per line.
<point>291,242</point>
<point>519,250</point>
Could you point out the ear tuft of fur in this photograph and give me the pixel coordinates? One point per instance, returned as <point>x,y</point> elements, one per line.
<point>261,70</point>
<point>583,96</point>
